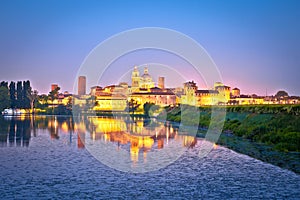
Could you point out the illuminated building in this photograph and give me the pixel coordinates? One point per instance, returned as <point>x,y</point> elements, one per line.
<point>189,96</point>
<point>81,85</point>
<point>235,92</point>
<point>155,96</point>
<point>207,97</point>
<point>224,92</point>
<point>96,90</point>
<point>141,82</point>
<point>110,102</point>
<point>110,98</point>
<point>193,96</point>
<point>246,100</point>
<point>146,80</point>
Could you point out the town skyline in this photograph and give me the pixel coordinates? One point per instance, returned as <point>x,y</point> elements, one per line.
<point>200,85</point>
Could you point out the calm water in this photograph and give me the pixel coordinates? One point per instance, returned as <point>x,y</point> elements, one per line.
<point>45,158</point>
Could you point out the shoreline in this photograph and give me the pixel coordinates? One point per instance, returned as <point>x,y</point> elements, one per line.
<point>259,151</point>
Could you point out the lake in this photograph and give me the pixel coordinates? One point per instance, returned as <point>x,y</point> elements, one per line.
<point>59,157</point>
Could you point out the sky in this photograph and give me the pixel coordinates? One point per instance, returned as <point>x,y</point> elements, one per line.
<point>255,44</point>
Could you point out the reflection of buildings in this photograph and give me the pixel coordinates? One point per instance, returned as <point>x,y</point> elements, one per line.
<point>141,137</point>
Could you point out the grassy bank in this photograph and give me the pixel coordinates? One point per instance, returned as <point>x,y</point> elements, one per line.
<point>269,133</point>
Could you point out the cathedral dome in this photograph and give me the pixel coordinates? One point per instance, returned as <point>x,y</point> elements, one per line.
<point>146,76</point>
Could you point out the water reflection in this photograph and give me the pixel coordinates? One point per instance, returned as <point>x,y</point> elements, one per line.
<point>138,137</point>
<point>14,132</point>
<point>18,130</point>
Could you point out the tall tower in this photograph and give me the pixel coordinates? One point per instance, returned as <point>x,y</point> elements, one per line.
<point>81,85</point>
<point>53,86</point>
<point>161,82</point>
<point>135,79</point>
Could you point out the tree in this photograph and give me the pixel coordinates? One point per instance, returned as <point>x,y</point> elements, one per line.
<point>53,95</point>
<point>149,108</point>
<point>90,102</point>
<point>19,102</point>
<point>12,94</point>
<point>27,92</point>
<point>132,106</point>
<point>281,94</point>
<point>4,84</point>
<point>33,97</point>
<point>4,97</point>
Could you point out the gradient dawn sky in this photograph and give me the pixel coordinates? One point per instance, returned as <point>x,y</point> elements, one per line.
<point>255,44</point>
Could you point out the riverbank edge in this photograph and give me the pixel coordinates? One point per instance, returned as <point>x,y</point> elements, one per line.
<point>263,152</point>
<point>259,151</point>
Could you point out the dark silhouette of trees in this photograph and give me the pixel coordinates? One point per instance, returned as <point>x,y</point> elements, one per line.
<point>132,106</point>
<point>27,92</point>
<point>18,97</point>
<point>19,102</point>
<point>53,95</point>
<point>12,94</point>
<point>4,96</point>
<point>4,84</point>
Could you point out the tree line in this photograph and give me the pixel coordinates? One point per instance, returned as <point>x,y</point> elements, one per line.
<point>17,95</point>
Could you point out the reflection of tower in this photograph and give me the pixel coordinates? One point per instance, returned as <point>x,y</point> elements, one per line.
<point>135,79</point>
<point>80,140</point>
<point>81,85</point>
<point>161,82</point>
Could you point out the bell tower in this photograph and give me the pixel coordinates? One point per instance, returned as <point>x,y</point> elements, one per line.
<point>135,79</point>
